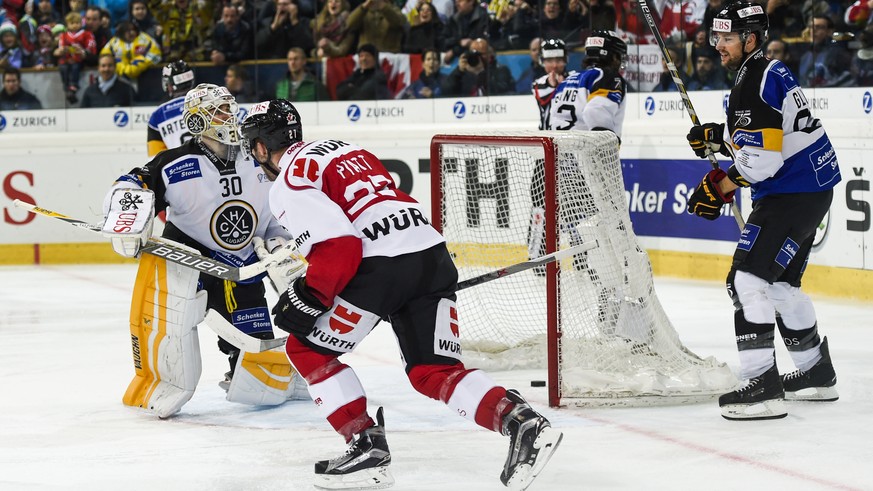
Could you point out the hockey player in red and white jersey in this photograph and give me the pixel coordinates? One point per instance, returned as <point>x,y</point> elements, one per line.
<point>215,196</point>
<point>553,56</point>
<point>374,255</point>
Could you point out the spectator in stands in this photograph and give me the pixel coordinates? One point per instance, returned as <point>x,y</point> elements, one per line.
<point>862,61</point>
<point>231,38</point>
<point>555,24</point>
<point>499,79</point>
<point>101,34</point>
<point>380,23</point>
<point>46,14</point>
<point>109,90</point>
<point>665,83</point>
<point>79,7</point>
<point>514,25</point>
<point>330,31</point>
<point>134,51</point>
<point>11,55</point>
<point>469,22</point>
<point>827,63</point>
<point>444,8</point>
<point>73,46</point>
<point>186,27</point>
<point>143,19</point>
<point>299,85</point>
<point>786,20</point>
<point>426,32</point>
<point>284,31</point>
<point>532,72</point>
<point>114,11</point>
<point>13,97</point>
<point>857,16</point>
<point>368,81</point>
<point>27,27</point>
<point>602,15</point>
<point>44,55</point>
<point>777,49</point>
<point>708,74</point>
<point>812,8</point>
<point>236,79</point>
<point>429,83</point>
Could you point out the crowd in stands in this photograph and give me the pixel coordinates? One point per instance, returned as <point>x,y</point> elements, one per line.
<point>451,47</point>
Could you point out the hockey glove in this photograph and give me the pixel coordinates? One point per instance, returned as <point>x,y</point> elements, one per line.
<point>297,309</point>
<point>706,201</point>
<point>710,135</point>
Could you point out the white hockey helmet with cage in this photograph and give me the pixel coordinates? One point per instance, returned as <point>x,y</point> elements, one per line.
<point>210,112</point>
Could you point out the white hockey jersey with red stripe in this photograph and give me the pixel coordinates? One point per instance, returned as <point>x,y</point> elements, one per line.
<point>329,188</point>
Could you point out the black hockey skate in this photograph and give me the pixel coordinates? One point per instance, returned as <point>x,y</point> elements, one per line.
<point>815,384</point>
<point>363,466</point>
<point>532,441</point>
<point>761,398</point>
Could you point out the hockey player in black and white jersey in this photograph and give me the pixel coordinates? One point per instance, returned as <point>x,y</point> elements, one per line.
<point>373,255</point>
<point>783,153</point>
<point>553,57</point>
<point>593,98</point>
<point>166,126</point>
<point>216,202</point>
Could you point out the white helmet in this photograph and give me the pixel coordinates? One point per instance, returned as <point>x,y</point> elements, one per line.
<point>202,104</point>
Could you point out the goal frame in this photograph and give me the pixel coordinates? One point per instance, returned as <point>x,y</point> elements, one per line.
<point>553,326</point>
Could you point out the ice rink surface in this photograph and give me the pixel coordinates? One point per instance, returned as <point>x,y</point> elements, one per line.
<point>66,362</point>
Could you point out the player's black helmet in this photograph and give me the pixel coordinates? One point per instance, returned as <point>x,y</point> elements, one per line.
<point>177,78</point>
<point>275,123</point>
<point>553,48</point>
<point>742,17</point>
<point>602,47</point>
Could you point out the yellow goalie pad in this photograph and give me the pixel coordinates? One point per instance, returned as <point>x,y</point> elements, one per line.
<point>164,314</point>
<point>265,379</point>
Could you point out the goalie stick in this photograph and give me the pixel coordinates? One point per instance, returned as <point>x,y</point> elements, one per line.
<point>674,72</point>
<point>176,253</point>
<point>252,344</point>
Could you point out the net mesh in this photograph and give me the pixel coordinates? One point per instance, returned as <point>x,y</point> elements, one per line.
<point>617,345</point>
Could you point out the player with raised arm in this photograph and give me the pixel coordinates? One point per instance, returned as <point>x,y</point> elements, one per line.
<point>783,153</point>
<point>553,57</point>
<point>216,202</point>
<point>166,125</point>
<point>374,255</point>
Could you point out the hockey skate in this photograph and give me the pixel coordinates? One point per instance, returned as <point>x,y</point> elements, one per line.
<point>532,441</point>
<point>363,466</point>
<point>761,398</point>
<point>815,384</point>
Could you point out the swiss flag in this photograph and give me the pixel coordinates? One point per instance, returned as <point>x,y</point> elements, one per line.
<point>400,69</point>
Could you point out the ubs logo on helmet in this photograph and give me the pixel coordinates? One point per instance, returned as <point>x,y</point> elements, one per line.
<point>233,225</point>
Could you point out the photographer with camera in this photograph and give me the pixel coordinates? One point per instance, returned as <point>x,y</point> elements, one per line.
<point>478,74</point>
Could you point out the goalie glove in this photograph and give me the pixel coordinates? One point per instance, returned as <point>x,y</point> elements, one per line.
<point>708,136</point>
<point>297,309</point>
<point>707,199</point>
<point>283,272</point>
<point>129,219</point>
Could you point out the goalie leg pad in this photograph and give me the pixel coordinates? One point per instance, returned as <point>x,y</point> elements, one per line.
<point>164,314</point>
<point>266,379</point>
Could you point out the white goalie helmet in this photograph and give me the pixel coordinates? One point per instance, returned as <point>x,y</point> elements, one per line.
<point>210,112</point>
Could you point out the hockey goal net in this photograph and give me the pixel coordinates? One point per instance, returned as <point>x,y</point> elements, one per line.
<point>592,320</point>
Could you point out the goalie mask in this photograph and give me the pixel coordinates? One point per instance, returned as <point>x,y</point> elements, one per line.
<point>742,17</point>
<point>603,48</point>
<point>275,123</point>
<point>177,78</point>
<point>210,112</point>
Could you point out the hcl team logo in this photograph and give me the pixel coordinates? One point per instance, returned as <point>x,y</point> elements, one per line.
<point>353,112</point>
<point>459,109</point>
<point>650,105</point>
<point>868,103</point>
<point>2,122</point>
<point>120,118</point>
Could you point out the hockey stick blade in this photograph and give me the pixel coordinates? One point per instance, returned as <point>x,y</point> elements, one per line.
<point>254,345</point>
<point>177,253</point>
<point>648,15</point>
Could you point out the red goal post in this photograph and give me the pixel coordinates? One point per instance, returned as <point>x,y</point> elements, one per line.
<point>593,321</point>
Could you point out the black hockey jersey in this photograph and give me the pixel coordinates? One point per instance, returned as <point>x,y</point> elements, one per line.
<point>778,146</point>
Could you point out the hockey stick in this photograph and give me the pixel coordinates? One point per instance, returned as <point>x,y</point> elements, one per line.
<point>674,72</point>
<point>176,253</point>
<point>251,344</point>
